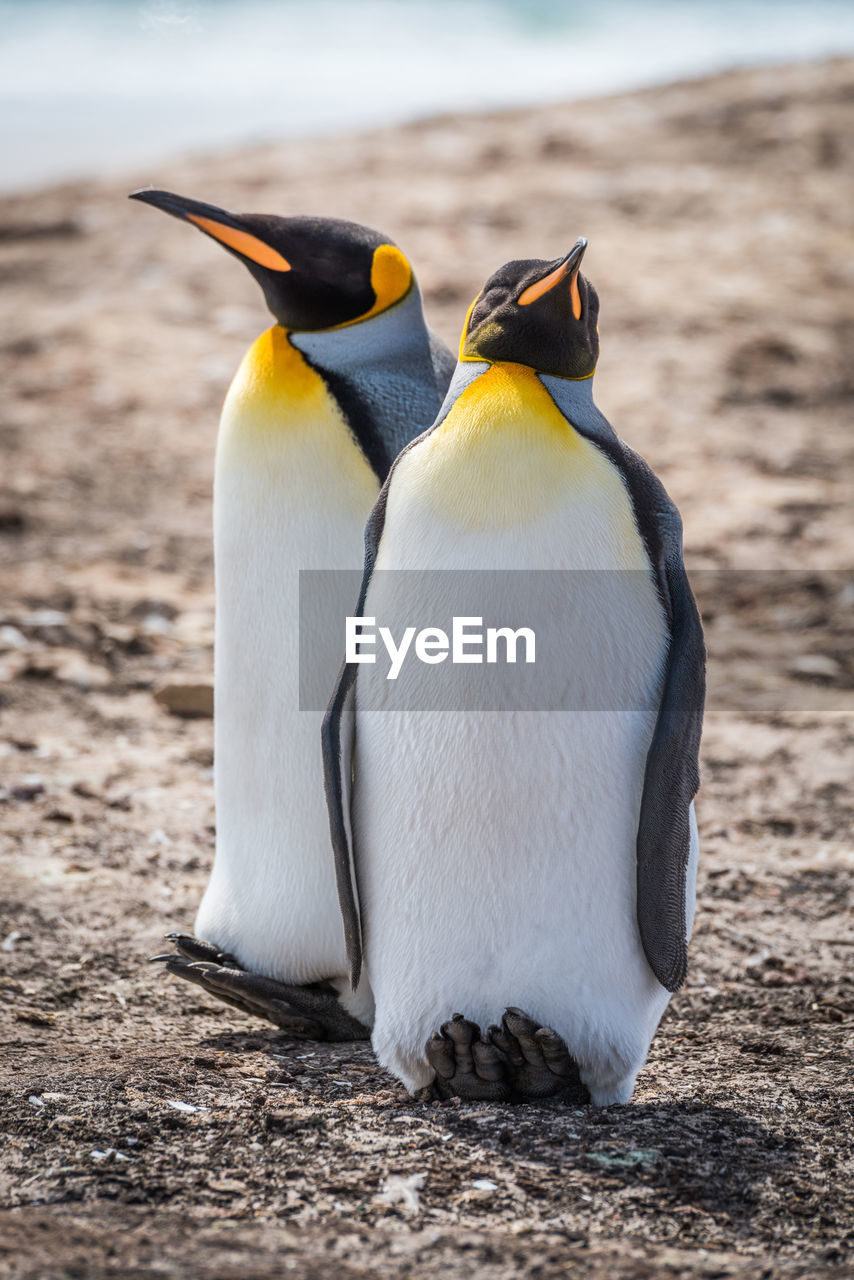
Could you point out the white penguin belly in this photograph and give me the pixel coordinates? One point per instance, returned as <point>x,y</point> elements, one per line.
<point>292,492</point>
<point>496,850</point>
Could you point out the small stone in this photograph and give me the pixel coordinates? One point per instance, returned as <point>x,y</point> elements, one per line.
<point>154,624</point>
<point>44,618</point>
<point>815,666</point>
<point>65,1122</point>
<point>13,665</point>
<point>29,788</point>
<point>36,1017</point>
<point>69,667</point>
<point>402,1190</point>
<point>230,1185</point>
<point>12,638</point>
<point>186,699</point>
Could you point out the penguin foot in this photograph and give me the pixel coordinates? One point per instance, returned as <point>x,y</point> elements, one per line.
<point>310,1012</point>
<point>520,1061</point>
<point>538,1063</point>
<point>466,1065</point>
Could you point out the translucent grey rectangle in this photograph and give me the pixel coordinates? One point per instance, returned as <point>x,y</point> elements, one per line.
<point>778,641</point>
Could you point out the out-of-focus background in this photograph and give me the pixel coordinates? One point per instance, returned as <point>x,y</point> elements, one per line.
<point>100,86</point>
<point>707,151</point>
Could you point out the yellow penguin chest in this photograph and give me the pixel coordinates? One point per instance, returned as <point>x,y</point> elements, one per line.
<point>505,458</point>
<point>281,422</point>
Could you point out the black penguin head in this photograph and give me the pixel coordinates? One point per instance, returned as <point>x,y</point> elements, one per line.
<point>542,314</point>
<point>316,273</point>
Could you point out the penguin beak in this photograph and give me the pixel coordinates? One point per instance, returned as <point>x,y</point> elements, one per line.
<point>568,269</point>
<point>228,228</point>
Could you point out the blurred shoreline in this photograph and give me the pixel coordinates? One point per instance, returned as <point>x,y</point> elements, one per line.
<point>206,156</point>
<point>92,87</point>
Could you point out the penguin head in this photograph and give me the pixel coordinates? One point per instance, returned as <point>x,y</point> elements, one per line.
<point>316,273</point>
<point>542,314</point>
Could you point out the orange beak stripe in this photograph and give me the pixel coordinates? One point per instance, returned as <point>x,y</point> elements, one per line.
<point>242,242</point>
<point>539,287</point>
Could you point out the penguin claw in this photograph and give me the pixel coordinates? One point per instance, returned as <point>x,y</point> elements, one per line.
<point>441,1057</point>
<point>196,949</point>
<point>311,1012</point>
<point>507,1045</point>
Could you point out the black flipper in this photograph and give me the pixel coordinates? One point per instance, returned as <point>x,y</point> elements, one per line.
<point>671,780</point>
<point>672,774</point>
<point>338,735</point>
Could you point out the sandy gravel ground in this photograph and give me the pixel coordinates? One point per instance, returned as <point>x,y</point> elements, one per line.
<point>719,215</point>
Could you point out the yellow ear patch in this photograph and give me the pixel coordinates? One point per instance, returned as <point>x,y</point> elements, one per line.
<point>244,243</point>
<point>540,287</point>
<point>465,331</point>
<point>391,276</point>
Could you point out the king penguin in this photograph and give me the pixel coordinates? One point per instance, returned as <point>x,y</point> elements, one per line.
<point>532,867</point>
<point>319,408</point>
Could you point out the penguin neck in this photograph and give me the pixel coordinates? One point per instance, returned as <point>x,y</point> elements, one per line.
<point>380,371</point>
<point>280,420</point>
<point>488,401</point>
<point>504,450</point>
<point>573,396</point>
<point>275,389</point>
<point>364,347</point>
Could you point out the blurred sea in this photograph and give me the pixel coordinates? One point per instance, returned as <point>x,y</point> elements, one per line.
<point>103,86</point>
